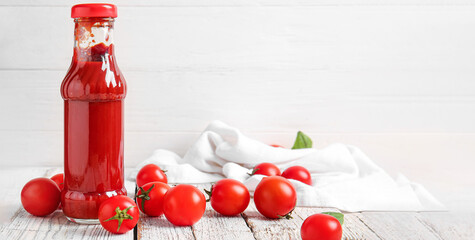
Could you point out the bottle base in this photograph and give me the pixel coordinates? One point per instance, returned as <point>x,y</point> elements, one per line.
<point>84,221</point>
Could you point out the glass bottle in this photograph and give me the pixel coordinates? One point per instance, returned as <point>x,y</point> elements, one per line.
<point>93,92</point>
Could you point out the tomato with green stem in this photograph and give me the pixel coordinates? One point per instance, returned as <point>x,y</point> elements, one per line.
<point>267,169</point>
<point>150,198</point>
<point>151,173</point>
<point>118,214</point>
<point>228,197</point>
<point>275,197</point>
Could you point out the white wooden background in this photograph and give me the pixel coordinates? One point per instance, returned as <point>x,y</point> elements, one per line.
<point>396,78</point>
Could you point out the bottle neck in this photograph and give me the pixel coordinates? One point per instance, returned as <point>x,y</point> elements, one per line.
<point>93,39</point>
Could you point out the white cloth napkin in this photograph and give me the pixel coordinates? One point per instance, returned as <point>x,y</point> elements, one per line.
<point>343,176</point>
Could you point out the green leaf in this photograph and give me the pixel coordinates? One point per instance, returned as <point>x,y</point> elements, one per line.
<point>337,215</point>
<point>302,141</point>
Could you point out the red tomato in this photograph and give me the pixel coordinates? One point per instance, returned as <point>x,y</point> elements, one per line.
<point>59,180</point>
<point>40,196</point>
<point>276,146</point>
<point>151,173</point>
<point>321,226</point>
<point>229,197</point>
<point>184,205</point>
<point>275,197</point>
<point>118,214</point>
<point>150,198</point>
<point>267,169</point>
<point>298,173</point>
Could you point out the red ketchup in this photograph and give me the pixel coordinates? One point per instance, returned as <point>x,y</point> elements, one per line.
<point>93,92</point>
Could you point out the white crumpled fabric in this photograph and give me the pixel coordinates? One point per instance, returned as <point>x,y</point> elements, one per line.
<point>343,176</point>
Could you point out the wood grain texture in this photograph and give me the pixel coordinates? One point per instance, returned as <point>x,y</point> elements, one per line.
<point>265,228</point>
<point>255,37</point>
<point>216,226</point>
<point>321,101</point>
<point>398,225</point>
<point>150,228</point>
<point>243,3</point>
<point>54,226</point>
<point>12,181</point>
<point>453,225</point>
<point>355,228</point>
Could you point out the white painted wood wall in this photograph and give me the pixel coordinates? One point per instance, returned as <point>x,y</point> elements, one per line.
<point>396,78</point>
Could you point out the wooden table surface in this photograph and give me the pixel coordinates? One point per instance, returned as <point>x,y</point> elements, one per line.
<point>16,223</point>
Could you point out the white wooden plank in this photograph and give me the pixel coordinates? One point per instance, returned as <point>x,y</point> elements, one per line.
<point>55,226</point>
<point>265,228</point>
<point>12,181</point>
<point>398,225</point>
<point>161,228</point>
<point>240,3</point>
<point>454,225</point>
<point>354,228</point>
<point>216,226</point>
<point>323,101</point>
<point>254,37</point>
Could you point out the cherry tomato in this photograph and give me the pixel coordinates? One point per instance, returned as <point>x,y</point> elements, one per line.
<point>276,146</point>
<point>59,180</point>
<point>229,197</point>
<point>298,173</point>
<point>150,198</point>
<point>118,214</point>
<point>40,196</point>
<point>267,169</point>
<point>321,226</point>
<point>275,197</point>
<point>151,173</point>
<point>184,205</point>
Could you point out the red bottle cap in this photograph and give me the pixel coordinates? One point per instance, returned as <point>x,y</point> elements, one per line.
<point>94,10</point>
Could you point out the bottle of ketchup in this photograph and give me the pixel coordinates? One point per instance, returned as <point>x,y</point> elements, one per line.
<point>93,92</point>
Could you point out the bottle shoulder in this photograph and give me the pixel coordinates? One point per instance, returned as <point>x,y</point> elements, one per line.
<point>101,80</point>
